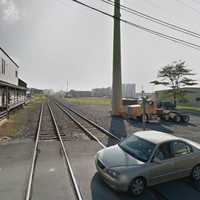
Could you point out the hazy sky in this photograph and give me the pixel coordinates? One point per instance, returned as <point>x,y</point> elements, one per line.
<point>57,40</point>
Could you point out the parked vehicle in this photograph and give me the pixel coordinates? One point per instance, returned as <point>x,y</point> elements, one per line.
<point>152,112</point>
<point>148,158</point>
<point>166,105</point>
<point>175,116</point>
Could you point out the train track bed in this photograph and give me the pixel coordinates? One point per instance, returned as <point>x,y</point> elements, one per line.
<point>101,114</point>
<point>92,129</point>
<point>50,174</point>
<point>67,127</point>
<point>51,180</point>
<point>82,154</point>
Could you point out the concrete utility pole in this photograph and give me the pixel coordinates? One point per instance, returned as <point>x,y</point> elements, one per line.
<point>117,80</point>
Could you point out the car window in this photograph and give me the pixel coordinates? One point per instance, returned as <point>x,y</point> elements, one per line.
<point>164,152</point>
<point>138,148</point>
<point>181,148</point>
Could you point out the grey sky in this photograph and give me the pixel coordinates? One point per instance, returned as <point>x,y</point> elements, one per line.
<point>56,40</point>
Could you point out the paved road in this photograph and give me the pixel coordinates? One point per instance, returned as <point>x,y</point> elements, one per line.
<point>15,161</point>
<point>51,179</point>
<point>82,155</point>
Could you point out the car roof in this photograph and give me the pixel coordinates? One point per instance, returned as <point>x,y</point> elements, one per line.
<point>155,137</point>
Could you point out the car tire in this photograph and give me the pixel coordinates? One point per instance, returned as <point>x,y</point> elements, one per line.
<point>196,173</point>
<point>137,186</point>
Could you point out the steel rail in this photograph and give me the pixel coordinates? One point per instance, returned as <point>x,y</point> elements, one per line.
<point>75,185</point>
<point>92,123</point>
<point>82,127</point>
<point>3,115</point>
<point>157,193</point>
<point>31,175</point>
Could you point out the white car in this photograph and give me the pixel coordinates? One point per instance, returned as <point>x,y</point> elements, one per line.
<point>148,158</point>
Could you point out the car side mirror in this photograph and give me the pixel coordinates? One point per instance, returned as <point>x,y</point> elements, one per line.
<point>157,161</point>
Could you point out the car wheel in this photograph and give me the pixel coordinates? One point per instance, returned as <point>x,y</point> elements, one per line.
<point>137,186</point>
<point>196,173</point>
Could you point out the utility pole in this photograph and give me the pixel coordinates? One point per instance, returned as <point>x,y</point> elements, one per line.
<point>117,108</point>
<point>143,110</point>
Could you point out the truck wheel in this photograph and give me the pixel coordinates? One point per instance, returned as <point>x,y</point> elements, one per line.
<point>186,118</point>
<point>166,117</point>
<point>177,118</point>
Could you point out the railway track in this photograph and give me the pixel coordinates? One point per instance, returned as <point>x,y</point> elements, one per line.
<point>93,130</point>
<point>39,136</point>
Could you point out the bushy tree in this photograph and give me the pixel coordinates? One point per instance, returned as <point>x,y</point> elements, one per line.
<point>175,76</point>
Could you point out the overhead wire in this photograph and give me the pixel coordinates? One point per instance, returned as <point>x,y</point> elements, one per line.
<point>153,19</point>
<point>156,33</point>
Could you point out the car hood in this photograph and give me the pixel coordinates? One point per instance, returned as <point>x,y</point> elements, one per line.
<point>114,156</point>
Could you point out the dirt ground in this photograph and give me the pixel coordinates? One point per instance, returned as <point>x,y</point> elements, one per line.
<point>124,127</point>
<point>22,121</point>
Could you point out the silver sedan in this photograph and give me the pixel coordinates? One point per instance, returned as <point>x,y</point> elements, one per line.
<point>148,158</point>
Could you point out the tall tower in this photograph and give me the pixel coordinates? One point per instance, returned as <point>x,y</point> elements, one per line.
<point>117,80</point>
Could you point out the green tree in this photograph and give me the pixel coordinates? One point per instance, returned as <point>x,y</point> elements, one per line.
<point>175,76</point>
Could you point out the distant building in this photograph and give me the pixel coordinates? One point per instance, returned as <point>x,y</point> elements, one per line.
<point>78,93</point>
<point>33,91</point>
<point>146,94</point>
<point>128,90</point>
<point>12,89</point>
<point>191,96</point>
<point>102,92</point>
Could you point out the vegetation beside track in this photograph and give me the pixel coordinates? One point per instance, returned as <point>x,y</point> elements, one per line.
<point>188,108</point>
<point>89,101</point>
<point>20,118</point>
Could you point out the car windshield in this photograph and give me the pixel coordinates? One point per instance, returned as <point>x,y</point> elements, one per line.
<point>138,148</point>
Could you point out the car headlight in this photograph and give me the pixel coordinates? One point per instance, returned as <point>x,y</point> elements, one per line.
<point>113,173</point>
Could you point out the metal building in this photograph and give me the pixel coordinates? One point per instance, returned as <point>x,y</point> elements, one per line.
<point>12,89</point>
<point>190,96</point>
<point>128,90</point>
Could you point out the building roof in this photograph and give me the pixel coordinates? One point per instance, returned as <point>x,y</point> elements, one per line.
<point>155,137</point>
<point>3,83</point>
<point>9,57</point>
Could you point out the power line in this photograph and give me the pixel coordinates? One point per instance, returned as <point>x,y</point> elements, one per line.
<point>161,35</point>
<point>153,19</point>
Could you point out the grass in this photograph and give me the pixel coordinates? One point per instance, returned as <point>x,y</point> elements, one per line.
<point>89,101</point>
<point>19,118</point>
<point>189,108</point>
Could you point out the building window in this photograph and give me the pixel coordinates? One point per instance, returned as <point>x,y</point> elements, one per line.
<point>16,73</point>
<point>3,66</point>
<point>198,99</point>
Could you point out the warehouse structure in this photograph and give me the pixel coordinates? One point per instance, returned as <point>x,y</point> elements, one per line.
<point>190,96</point>
<point>128,90</point>
<point>12,88</point>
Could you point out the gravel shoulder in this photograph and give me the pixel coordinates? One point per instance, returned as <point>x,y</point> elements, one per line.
<point>23,121</point>
<point>123,127</point>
